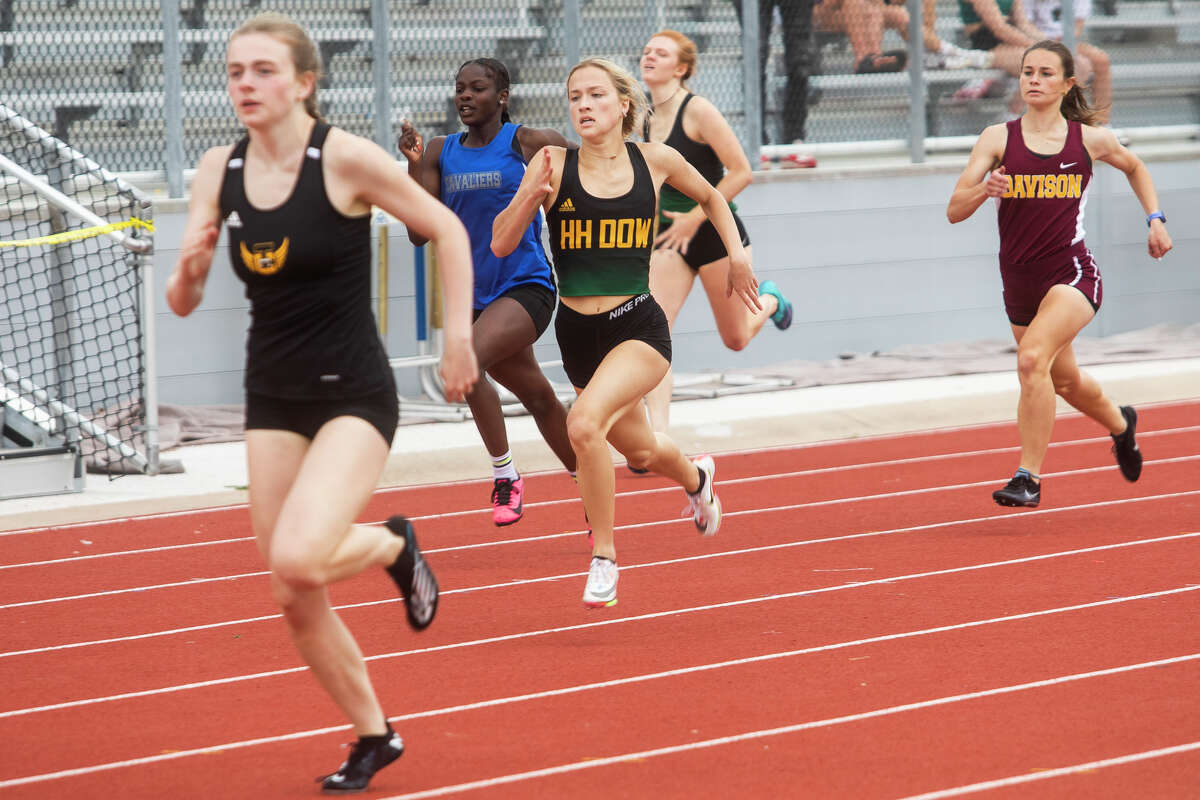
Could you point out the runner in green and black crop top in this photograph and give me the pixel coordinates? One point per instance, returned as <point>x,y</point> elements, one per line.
<point>687,244</point>
<point>1002,28</point>
<point>599,203</point>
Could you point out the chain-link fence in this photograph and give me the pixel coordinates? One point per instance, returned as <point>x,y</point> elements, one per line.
<point>139,84</point>
<point>72,358</point>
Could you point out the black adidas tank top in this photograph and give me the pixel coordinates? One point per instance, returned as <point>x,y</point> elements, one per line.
<point>699,155</point>
<point>307,270</point>
<point>602,244</point>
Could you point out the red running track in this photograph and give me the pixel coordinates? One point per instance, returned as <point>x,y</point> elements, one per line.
<point>867,624</point>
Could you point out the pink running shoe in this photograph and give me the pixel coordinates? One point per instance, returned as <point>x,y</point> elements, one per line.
<point>506,500</point>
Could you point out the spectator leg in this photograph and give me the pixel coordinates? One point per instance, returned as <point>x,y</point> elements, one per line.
<point>765,7</point>
<point>798,56</point>
<point>1093,60</point>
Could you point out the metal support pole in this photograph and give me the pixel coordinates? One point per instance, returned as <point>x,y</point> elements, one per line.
<point>572,50</point>
<point>1068,24</point>
<point>63,310</point>
<point>144,266</point>
<point>381,72</point>
<point>173,97</point>
<point>752,78</point>
<point>916,82</point>
<point>656,17</point>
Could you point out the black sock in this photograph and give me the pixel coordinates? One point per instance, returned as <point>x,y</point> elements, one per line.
<point>699,488</point>
<point>379,738</point>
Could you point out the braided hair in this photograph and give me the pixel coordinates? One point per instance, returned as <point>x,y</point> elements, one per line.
<point>499,75</point>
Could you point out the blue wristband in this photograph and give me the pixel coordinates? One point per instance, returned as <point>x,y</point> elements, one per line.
<point>1154,216</point>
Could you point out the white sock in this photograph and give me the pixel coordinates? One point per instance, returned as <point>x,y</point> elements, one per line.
<point>502,467</point>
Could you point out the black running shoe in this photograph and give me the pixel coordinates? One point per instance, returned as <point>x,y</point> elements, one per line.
<point>413,577</point>
<point>1125,448</point>
<point>367,756</point>
<point>638,470</point>
<point>1022,490</point>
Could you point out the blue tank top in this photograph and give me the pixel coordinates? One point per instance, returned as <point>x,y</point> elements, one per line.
<point>477,184</point>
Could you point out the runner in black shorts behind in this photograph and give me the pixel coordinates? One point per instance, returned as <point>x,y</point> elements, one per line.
<point>599,202</point>
<point>687,244</point>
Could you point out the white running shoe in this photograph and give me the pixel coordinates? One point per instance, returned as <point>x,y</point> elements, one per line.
<point>601,589</point>
<point>954,57</point>
<point>705,508</point>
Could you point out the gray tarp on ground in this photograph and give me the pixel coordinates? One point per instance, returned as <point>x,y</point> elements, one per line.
<point>181,425</point>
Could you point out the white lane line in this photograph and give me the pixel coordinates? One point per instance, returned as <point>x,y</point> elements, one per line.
<point>513,778</point>
<point>859,465</point>
<point>545,537</point>
<point>526,581</point>
<point>601,623</point>
<point>501,780</point>
<point>1059,772</point>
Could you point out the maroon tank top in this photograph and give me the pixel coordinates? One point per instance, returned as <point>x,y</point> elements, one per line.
<point>1041,215</point>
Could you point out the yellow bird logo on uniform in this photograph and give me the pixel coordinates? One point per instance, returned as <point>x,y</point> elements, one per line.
<point>266,258</point>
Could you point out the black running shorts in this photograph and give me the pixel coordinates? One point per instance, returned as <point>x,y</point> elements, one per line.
<point>536,299</point>
<point>305,417</point>
<point>585,339</point>
<point>706,246</point>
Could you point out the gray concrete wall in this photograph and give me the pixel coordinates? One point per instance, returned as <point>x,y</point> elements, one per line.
<point>866,255</point>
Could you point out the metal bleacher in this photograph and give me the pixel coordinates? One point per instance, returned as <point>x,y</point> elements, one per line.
<point>91,71</point>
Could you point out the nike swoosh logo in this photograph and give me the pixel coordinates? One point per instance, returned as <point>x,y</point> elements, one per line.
<point>1064,166</point>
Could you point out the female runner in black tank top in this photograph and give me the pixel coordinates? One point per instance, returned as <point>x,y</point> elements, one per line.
<point>599,203</point>
<point>687,244</point>
<point>1049,260</point>
<point>295,197</point>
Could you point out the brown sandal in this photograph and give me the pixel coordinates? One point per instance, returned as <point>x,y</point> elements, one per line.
<point>891,61</point>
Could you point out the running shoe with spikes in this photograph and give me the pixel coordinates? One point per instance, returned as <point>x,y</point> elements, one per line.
<point>601,589</point>
<point>782,318</point>
<point>367,756</point>
<point>1021,491</point>
<point>1125,448</point>
<point>413,577</point>
<point>507,505</point>
<point>704,506</point>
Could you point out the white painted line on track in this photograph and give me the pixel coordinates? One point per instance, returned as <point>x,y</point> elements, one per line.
<point>605,623</point>
<point>544,579</point>
<point>860,465</point>
<point>783,730</point>
<point>513,778</point>
<point>545,537</point>
<point>1045,774</point>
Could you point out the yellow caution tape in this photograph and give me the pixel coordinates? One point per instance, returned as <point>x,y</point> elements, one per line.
<point>82,233</point>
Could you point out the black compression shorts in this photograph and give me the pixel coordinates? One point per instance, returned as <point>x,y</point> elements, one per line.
<point>706,246</point>
<point>536,299</point>
<point>305,417</point>
<point>585,339</point>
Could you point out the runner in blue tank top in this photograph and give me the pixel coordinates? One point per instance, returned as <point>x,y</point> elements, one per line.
<point>1040,166</point>
<point>295,196</point>
<point>476,173</point>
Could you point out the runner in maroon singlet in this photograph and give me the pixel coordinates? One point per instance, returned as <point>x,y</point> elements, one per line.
<point>1038,168</point>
